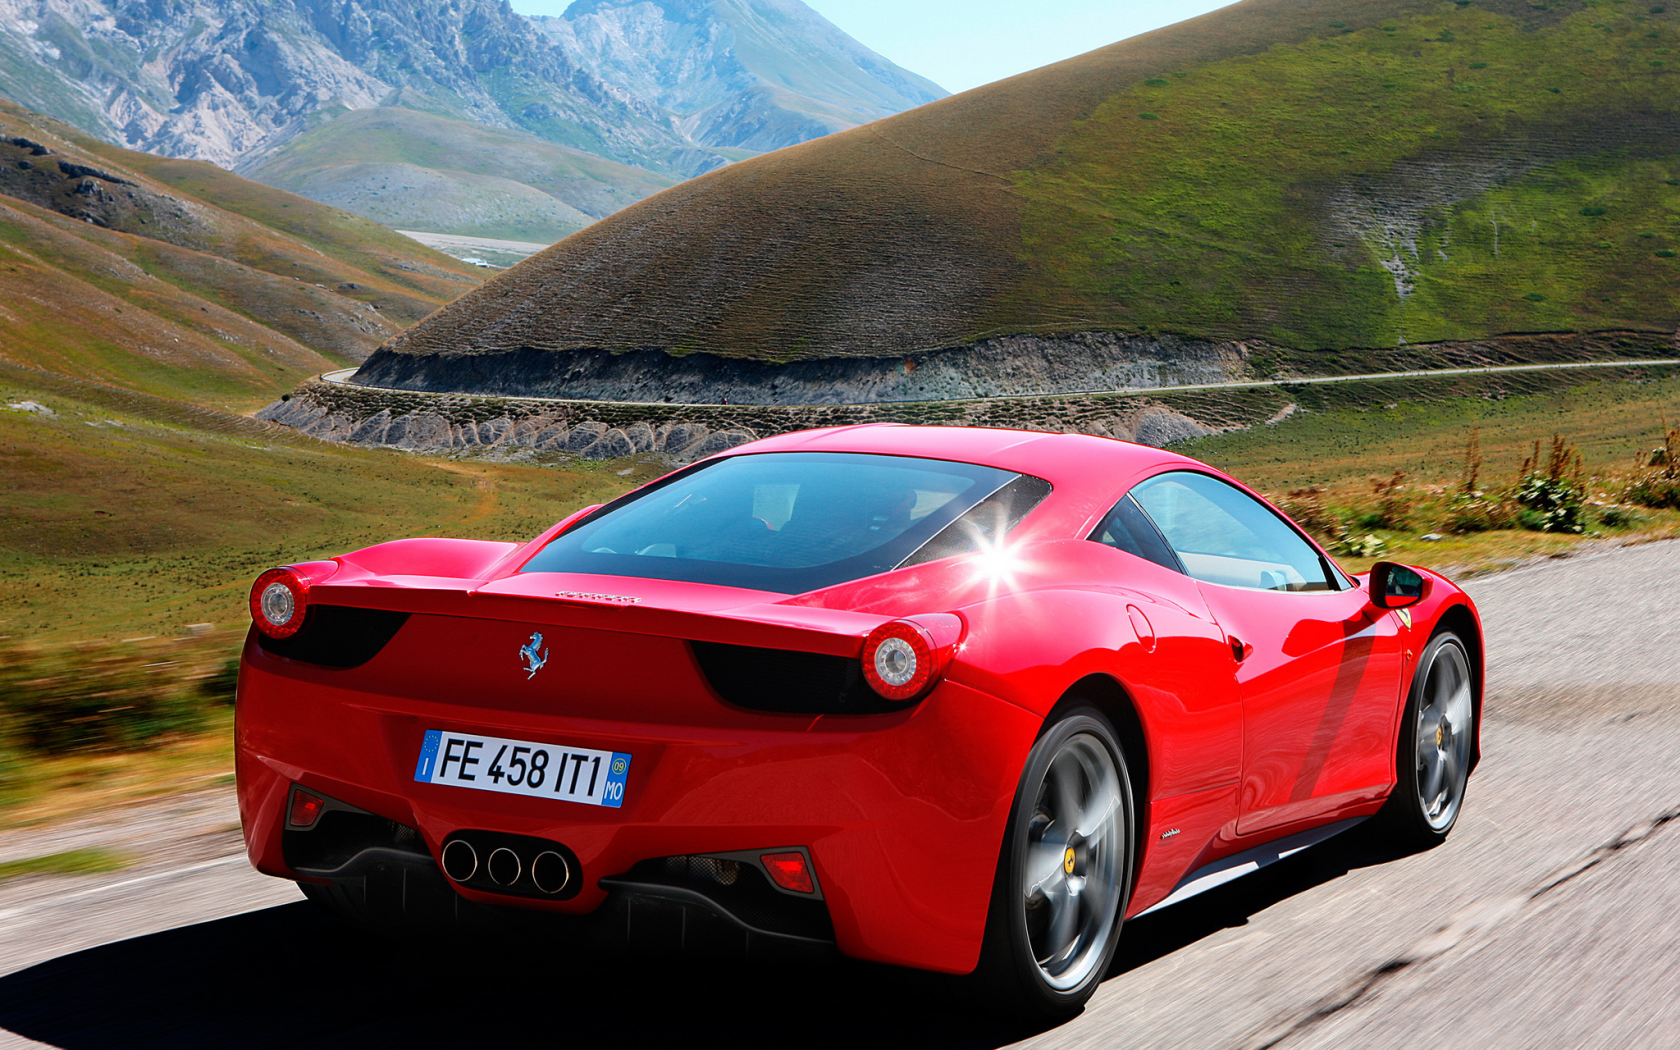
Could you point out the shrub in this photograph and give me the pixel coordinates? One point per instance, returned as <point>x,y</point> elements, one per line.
<point>1620,517</point>
<point>218,686</point>
<point>1306,507</point>
<point>1394,507</point>
<point>1476,512</point>
<point>1550,499</point>
<point>1657,484</point>
<point>1367,546</point>
<point>1593,209</point>
<point>96,697</point>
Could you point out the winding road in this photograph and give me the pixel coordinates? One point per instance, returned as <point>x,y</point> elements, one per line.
<point>1551,918</point>
<point>341,377</point>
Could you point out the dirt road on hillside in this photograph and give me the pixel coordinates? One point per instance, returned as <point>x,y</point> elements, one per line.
<point>1549,919</point>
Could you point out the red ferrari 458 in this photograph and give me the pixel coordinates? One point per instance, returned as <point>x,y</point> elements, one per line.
<point>956,699</point>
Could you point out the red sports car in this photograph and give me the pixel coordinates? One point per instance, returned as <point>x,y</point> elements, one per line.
<point>956,699</point>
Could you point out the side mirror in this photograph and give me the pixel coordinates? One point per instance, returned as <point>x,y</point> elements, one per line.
<point>1395,586</point>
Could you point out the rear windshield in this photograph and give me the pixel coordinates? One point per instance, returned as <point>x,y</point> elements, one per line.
<point>791,521</point>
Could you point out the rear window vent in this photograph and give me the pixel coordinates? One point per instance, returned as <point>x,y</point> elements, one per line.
<point>337,636</point>
<point>787,681</point>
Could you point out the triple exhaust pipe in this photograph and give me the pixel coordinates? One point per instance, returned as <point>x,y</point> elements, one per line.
<point>510,866</point>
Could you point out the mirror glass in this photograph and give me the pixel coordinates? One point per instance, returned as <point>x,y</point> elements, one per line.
<point>1403,584</point>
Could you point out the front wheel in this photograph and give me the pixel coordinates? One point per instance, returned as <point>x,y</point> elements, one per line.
<point>1064,874</point>
<point>1437,733</point>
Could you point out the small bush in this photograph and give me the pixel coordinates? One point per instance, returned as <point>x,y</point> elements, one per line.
<point>97,697</point>
<point>218,686</point>
<point>1593,209</point>
<point>1665,253</point>
<point>1550,498</point>
<point>1470,512</point>
<point>1306,507</point>
<point>1366,546</point>
<point>1620,518</point>
<point>1657,484</point>
<point>1393,506</point>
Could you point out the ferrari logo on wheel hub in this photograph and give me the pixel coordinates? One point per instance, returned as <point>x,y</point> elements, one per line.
<point>1067,861</point>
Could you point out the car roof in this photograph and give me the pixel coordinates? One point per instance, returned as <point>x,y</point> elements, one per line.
<point>1057,458</point>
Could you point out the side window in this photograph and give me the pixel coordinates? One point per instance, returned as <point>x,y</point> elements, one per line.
<point>1223,535</point>
<point>1126,528</point>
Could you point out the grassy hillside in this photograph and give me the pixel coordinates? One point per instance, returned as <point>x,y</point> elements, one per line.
<point>418,171</point>
<point>1441,175</point>
<point>1318,173</point>
<point>179,279</point>
<point>123,514</point>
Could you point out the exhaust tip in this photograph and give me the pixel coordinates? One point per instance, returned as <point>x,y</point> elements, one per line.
<point>550,872</point>
<point>460,860</point>
<point>503,866</point>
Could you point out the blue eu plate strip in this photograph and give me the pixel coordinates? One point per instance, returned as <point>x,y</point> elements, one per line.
<point>612,792</point>
<point>428,753</point>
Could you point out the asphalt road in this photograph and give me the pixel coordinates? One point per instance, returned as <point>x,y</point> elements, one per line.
<point>1551,918</point>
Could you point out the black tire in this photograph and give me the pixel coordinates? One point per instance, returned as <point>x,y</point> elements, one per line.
<point>1030,966</point>
<point>1434,747</point>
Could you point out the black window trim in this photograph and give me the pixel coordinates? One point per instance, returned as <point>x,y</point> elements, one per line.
<point>1177,565</point>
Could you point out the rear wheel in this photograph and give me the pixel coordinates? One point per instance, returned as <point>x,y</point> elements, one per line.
<point>1064,874</point>
<point>1437,734</point>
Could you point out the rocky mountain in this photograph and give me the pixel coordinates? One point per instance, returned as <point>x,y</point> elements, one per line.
<point>748,74</point>
<point>663,91</point>
<point>1302,176</point>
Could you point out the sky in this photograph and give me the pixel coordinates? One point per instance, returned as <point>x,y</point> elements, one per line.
<point>960,44</point>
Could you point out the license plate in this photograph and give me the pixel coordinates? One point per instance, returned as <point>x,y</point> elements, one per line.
<point>521,767</point>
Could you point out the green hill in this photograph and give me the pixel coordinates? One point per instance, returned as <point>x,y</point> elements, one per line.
<point>1317,174</point>
<point>418,171</point>
<point>179,279</point>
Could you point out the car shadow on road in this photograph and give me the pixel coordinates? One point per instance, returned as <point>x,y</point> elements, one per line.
<point>290,977</point>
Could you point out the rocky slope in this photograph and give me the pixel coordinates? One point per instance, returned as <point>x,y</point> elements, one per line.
<point>1318,175</point>
<point>656,89</point>
<point>748,74</point>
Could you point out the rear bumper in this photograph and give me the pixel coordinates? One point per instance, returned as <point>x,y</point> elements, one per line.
<point>903,814</point>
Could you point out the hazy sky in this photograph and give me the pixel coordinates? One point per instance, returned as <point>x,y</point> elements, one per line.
<point>959,44</point>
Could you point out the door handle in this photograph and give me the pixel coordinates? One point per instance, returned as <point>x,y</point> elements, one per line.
<point>1240,649</point>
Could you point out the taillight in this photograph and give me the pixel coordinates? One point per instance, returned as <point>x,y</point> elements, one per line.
<point>279,599</point>
<point>902,659</point>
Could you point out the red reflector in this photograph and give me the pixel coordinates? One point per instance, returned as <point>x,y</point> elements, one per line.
<point>305,808</point>
<point>790,871</point>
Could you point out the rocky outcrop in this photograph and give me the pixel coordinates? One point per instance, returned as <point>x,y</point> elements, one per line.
<point>683,433</point>
<point>1006,366</point>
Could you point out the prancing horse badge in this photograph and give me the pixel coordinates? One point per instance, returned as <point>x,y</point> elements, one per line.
<point>533,655</point>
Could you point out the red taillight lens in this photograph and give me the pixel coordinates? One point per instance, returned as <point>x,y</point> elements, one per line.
<point>279,599</point>
<point>790,871</point>
<point>898,660</point>
<point>306,808</point>
<point>902,659</point>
